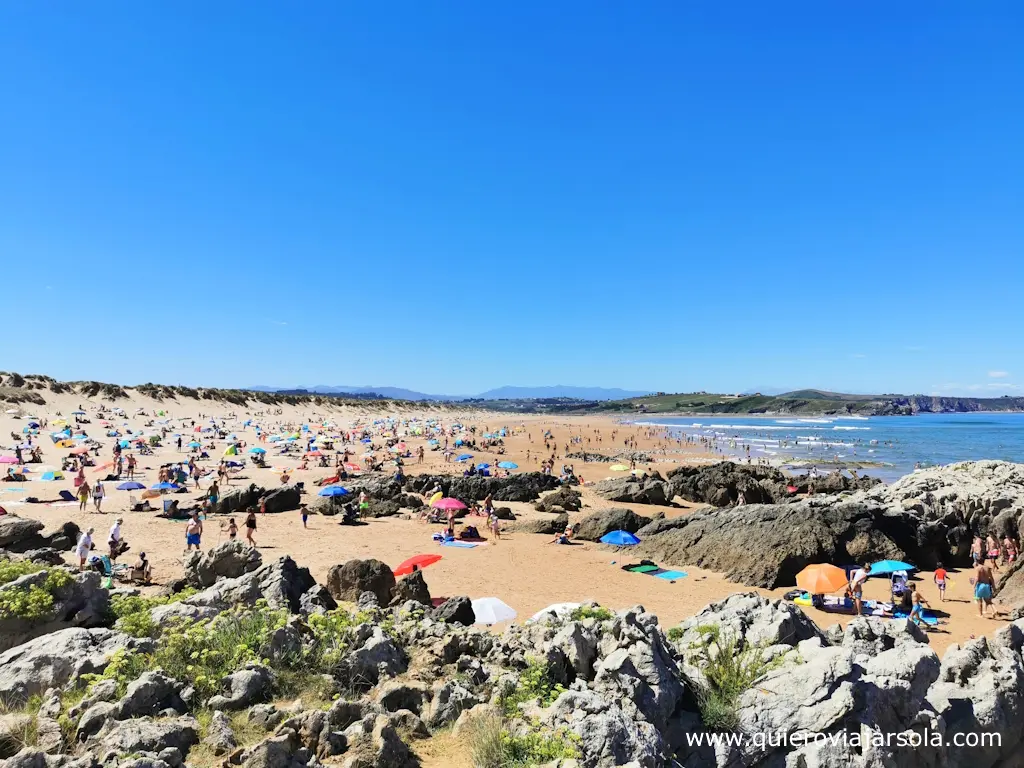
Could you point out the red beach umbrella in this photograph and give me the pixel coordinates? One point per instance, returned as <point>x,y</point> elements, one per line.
<point>415,563</point>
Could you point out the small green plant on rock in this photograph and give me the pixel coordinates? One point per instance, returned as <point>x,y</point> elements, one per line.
<point>590,612</point>
<point>37,600</point>
<point>730,667</point>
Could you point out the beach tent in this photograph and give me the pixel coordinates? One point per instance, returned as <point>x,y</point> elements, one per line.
<point>821,579</point>
<point>620,539</point>
<point>415,563</point>
<point>491,610</point>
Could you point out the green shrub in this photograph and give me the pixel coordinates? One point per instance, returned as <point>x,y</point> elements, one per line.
<point>674,634</point>
<point>132,612</point>
<point>494,745</point>
<point>590,612</point>
<point>729,668</point>
<point>11,570</point>
<point>36,601</point>
<point>535,684</point>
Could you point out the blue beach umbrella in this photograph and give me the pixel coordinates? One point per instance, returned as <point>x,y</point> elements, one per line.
<point>465,457</point>
<point>620,539</point>
<point>886,567</point>
<point>508,465</point>
<point>195,444</point>
<point>257,449</point>
<point>333,490</point>
<point>164,487</point>
<point>130,486</point>
<point>483,465</point>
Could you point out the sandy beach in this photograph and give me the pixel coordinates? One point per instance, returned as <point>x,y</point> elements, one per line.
<point>525,570</point>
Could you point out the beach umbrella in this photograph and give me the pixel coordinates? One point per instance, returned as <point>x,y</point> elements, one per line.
<point>257,449</point>
<point>352,467</point>
<point>163,487</point>
<point>821,579</point>
<point>508,465</point>
<point>415,563</point>
<point>465,457</point>
<point>231,451</point>
<point>103,467</point>
<point>80,450</point>
<point>333,490</point>
<point>8,460</point>
<point>491,610</point>
<point>313,453</point>
<point>52,476</point>
<point>553,611</point>
<point>131,486</point>
<point>447,503</point>
<point>886,567</point>
<point>618,468</point>
<point>195,444</point>
<point>483,465</point>
<point>125,444</point>
<point>78,413</point>
<point>620,539</point>
<point>432,441</point>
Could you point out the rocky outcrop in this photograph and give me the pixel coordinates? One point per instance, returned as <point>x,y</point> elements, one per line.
<point>412,587</point>
<point>53,660</point>
<point>565,499</point>
<point>595,525</point>
<point>347,581</point>
<point>78,600</point>
<point>546,525</point>
<point>19,535</point>
<point>229,560</point>
<point>455,610</point>
<point>527,486</point>
<point>646,490</point>
<point>282,584</point>
<point>766,545</point>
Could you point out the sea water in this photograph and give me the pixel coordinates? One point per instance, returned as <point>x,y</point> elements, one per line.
<point>882,446</point>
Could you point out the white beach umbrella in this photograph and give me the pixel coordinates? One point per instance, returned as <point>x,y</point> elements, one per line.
<point>554,611</point>
<point>490,610</point>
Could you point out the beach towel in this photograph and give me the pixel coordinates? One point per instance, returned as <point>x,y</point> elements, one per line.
<point>672,575</point>
<point>927,618</point>
<point>460,544</point>
<point>643,569</point>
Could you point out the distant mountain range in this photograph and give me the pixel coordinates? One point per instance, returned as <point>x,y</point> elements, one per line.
<point>501,393</point>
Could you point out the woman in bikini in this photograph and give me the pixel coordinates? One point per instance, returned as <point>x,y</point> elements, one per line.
<point>250,526</point>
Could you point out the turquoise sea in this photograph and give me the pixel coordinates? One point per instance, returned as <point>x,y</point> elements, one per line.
<point>895,443</point>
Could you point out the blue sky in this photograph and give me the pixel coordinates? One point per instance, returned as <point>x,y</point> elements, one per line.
<point>454,196</point>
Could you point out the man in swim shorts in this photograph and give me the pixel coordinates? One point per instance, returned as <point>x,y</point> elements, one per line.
<point>857,585</point>
<point>193,532</point>
<point>983,583</point>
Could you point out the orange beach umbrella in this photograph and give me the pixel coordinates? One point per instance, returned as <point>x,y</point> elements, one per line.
<point>821,579</point>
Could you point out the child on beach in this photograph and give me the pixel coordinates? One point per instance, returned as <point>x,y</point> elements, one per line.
<point>232,529</point>
<point>304,513</point>
<point>495,525</point>
<point>940,582</point>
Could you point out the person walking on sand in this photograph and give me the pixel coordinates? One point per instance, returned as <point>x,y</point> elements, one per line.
<point>194,533</point>
<point>232,529</point>
<point>83,548</point>
<point>917,601</point>
<point>940,582</point>
<point>250,527</point>
<point>83,496</point>
<point>304,514</point>
<point>97,495</point>
<point>983,583</point>
<point>495,525</point>
<point>857,586</point>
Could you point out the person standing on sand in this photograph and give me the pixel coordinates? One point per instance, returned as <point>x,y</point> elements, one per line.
<point>983,584</point>
<point>304,514</point>
<point>193,533</point>
<point>97,495</point>
<point>83,495</point>
<point>250,527</point>
<point>857,586</point>
<point>83,548</point>
<point>976,555</point>
<point>917,601</point>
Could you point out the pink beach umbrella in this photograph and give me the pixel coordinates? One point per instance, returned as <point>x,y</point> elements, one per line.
<point>8,460</point>
<point>448,503</point>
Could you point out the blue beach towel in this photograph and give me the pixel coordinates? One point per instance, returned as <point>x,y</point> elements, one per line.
<point>671,575</point>
<point>459,544</point>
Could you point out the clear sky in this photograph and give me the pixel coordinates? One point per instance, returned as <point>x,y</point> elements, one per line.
<point>451,196</point>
